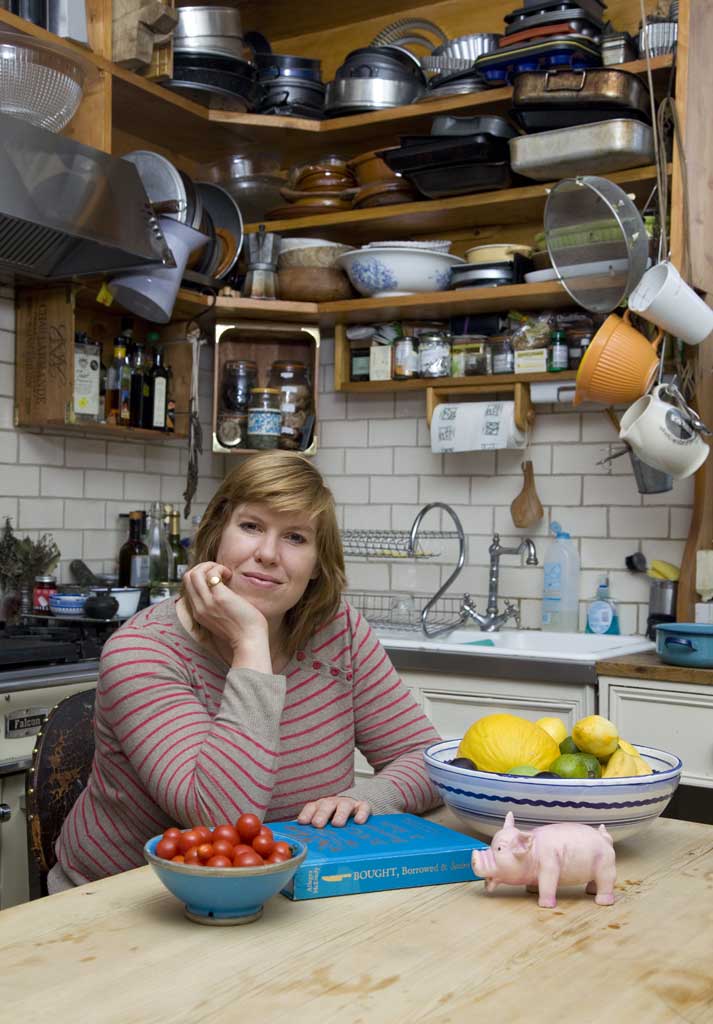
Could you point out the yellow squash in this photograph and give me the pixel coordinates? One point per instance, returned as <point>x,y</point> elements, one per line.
<point>496,742</point>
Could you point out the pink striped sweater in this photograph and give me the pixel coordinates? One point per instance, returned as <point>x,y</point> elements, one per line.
<point>182,739</point>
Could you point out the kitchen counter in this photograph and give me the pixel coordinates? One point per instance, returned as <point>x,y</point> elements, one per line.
<point>648,665</point>
<point>121,950</point>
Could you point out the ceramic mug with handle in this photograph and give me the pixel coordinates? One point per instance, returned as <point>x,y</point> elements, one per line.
<point>661,435</point>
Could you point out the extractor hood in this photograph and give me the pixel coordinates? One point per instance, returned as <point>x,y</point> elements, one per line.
<point>67,209</point>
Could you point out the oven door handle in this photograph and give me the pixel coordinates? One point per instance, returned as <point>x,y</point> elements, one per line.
<point>5,812</point>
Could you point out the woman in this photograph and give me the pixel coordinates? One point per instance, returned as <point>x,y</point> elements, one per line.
<point>250,691</point>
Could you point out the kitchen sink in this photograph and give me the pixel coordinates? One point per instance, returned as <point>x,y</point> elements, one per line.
<point>518,643</point>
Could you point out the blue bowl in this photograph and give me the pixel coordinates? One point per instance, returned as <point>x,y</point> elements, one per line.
<point>225,895</point>
<point>67,604</point>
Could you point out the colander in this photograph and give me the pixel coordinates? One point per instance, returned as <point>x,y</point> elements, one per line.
<point>40,83</point>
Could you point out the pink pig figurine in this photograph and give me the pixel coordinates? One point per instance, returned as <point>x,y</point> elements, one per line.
<point>564,853</point>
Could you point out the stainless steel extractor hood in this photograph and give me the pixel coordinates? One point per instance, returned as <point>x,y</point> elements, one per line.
<point>67,209</point>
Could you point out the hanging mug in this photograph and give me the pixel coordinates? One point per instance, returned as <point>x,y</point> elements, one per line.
<point>664,298</point>
<point>662,436</point>
<point>619,365</point>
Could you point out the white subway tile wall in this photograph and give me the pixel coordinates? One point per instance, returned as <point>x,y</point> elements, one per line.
<point>375,454</point>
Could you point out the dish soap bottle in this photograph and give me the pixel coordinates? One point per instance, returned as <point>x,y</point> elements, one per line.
<point>560,590</point>
<point>602,614</point>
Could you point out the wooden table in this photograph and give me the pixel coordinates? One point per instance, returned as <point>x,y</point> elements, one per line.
<point>120,950</point>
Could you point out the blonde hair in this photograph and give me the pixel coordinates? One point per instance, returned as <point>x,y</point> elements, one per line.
<point>286,482</point>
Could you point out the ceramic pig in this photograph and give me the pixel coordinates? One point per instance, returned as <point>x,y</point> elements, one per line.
<point>564,853</point>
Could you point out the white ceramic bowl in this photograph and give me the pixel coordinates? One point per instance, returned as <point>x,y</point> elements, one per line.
<point>482,799</point>
<point>128,598</point>
<point>398,271</point>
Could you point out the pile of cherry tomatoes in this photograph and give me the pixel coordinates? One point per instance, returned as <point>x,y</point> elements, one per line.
<point>246,844</point>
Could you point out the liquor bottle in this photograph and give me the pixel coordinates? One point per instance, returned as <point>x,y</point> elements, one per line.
<point>160,553</point>
<point>170,404</point>
<point>158,393</point>
<point>179,559</point>
<point>125,389</point>
<point>139,386</point>
<point>113,375</point>
<point>134,556</point>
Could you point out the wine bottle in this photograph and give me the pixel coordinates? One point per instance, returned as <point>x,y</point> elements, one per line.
<point>134,556</point>
<point>179,557</point>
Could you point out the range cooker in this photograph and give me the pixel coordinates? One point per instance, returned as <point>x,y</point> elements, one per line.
<point>42,661</point>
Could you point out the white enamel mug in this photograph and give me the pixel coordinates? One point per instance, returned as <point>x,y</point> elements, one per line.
<point>664,298</point>
<point>661,436</point>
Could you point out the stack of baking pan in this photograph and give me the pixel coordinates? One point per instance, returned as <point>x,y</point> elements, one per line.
<point>491,275</point>
<point>545,100</point>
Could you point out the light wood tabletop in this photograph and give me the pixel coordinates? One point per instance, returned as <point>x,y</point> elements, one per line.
<point>121,950</point>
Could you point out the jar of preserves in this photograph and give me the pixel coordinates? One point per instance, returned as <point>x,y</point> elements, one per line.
<point>434,355</point>
<point>405,359</point>
<point>290,380</point>
<point>238,380</point>
<point>264,418</point>
<point>44,588</point>
<point>232,430</point>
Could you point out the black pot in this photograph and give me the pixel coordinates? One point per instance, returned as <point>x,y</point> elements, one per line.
<point>283,92</point>
<point>101,606</point>
<point>280,65</point>
<point>380,62</point>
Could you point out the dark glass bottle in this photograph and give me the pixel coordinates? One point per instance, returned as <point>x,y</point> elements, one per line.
<point>158,393</point>
<point>170,403</point>
<point>113,386</point>
<point>134,555</point>
<point>139,386</point>
<point>179,557</point>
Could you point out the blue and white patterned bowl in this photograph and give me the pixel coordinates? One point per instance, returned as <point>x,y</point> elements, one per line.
<point>482,799</point>
<point>398,271</point>
<point>67,604</point>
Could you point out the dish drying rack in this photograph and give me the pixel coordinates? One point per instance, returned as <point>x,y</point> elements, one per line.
<point>391,543</point>
<point>392,611</point>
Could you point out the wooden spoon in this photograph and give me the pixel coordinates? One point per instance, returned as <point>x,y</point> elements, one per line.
<point>526,509</point>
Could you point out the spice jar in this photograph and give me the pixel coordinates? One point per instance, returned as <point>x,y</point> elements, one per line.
<point>405,359</point>
<point>502,353</point>
<point>558,354</point>
<point>577,343</point>
<point>239,378</point>
<point>470,357</point>
<point>434,355</point>
<point>359,364</point>
<point>43,589</point>
<point>290,379</point>
<point>264,418</point>
<point>232,429</point>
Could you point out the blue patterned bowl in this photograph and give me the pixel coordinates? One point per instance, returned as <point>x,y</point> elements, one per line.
<point>225,895</point>
<point>482,799</point>
<point>67,604</point>
<point>398,271</point>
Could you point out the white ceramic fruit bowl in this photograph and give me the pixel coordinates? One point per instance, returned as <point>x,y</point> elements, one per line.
<point>482,799</point>
<point>385,272</point>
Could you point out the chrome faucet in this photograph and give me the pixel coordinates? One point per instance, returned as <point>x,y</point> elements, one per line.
<point>493,619</point>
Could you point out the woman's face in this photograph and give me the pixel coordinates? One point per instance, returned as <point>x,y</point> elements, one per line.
<point>273,556</point>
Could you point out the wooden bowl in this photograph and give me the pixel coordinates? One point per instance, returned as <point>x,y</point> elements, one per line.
<point>368,168</point>
<point>313,284</point>
<point>384,193</point>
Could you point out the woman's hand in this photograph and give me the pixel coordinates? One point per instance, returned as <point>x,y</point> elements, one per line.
<point>339,808</point>
<point>228,616</point>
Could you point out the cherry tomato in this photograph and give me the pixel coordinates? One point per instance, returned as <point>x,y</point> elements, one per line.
<point>226,832</point>
<point>278,858</point>
<point>167,848</point>
<point>172,833</point>
<point>188,839</point>
<point>222,848</point>
<point>178,859</point>
<point>191,856</point>
<point>204,832</point>
<point>218,862</point>
<point>283,849</point>
<point>265,831</point>
<point>205,851</point>
<point>248,826</point>
<point>242,848</point>
<point>263,845</point>
<point>249,859</point>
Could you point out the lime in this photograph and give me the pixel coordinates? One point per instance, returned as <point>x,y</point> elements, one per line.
<point>568,746</point>
<point>576,766</point>
<point>522,769</point>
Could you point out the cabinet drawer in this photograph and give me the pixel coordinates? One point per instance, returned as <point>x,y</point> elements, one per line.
<point>452,712</point>
<point>676,720</point>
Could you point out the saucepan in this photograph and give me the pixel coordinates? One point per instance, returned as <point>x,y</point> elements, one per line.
<point>685,643</point>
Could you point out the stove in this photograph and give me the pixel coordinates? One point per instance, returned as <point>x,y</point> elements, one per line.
<point>37,640</point>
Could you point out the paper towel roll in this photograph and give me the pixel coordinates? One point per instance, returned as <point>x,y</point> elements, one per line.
<point>475,427</point>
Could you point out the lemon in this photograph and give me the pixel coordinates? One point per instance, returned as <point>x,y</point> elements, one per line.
<point>596,735</point>
<point>628,748</point>
<point>622,764</point>
<point>523,769</point>
<point>576,766</point>
<point>496,742</point>
<point>554,726</point>
<point>568,746</point>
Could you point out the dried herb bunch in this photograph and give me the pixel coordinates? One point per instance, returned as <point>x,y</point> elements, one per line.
<point>22,560</point>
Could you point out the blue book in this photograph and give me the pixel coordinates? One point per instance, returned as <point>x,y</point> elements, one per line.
<point>390,851</point>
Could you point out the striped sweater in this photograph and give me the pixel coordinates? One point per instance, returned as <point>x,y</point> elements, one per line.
<point>183,739</point>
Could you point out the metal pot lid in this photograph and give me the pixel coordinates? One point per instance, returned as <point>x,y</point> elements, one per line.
<point>225,213</point>
<point>582,213</point>
<point>161,180</point>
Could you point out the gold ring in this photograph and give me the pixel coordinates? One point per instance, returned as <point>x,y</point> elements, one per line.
<point>213,581</point>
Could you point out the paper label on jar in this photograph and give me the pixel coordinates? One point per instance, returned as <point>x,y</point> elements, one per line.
<point>264,423</point>
<point>288,406</point>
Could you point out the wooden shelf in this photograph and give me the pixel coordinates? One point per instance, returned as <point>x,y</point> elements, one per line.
<point>191,304</point>
<point>115,432</point>
<point>443,384</point>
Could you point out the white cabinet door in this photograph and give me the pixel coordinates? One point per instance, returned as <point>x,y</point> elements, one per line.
<point>670,716</point>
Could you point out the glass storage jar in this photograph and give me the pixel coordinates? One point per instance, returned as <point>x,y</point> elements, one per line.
<point>502,353</point>
<point>470,357</point>
<point>405,358</point>
<point>291,380</point>
<point>232,430</point>
<point>434,355</point>
<point>238,380</point>
<point>264,418</point>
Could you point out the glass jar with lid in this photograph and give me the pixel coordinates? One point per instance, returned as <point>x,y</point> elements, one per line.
<point>503,356</point>
<point>405,358</point>
<point>232,429</point>
<point>291,380</point>
<point>470,356</point>
<point>44,588</point>
<point>264,418</point>
<point>434,354</point>
<point>238,379</point>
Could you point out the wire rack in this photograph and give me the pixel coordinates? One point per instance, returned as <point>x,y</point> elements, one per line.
<point>402,611</point>
<point>390,543</point>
